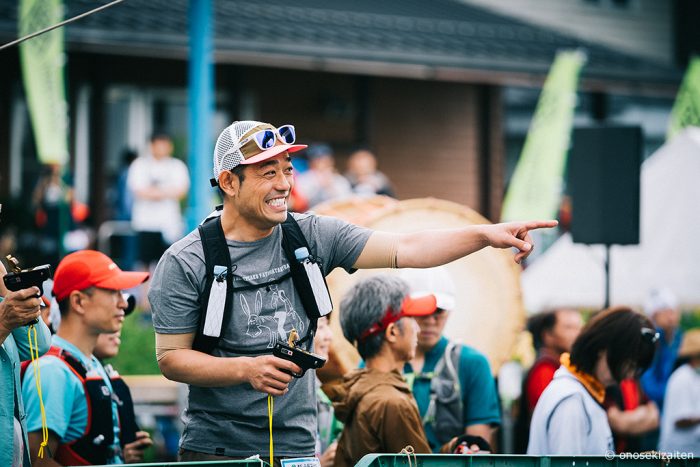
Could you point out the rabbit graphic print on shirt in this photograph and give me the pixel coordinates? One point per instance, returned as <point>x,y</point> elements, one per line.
<point>265,309</point>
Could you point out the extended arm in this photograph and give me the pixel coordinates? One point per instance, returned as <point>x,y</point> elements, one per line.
<point>430,248</point>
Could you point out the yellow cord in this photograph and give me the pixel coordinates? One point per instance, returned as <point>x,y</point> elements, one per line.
<point>34,353</point>
<point>270,407</point>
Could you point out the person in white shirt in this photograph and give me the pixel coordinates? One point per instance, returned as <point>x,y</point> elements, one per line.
<point>569,418</point>
<point>322,182</point>
<point>158,182</point>
<point>680,424</point>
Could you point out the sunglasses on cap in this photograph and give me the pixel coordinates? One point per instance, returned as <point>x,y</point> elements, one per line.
<point>265,139</point>
<point>651,334</point>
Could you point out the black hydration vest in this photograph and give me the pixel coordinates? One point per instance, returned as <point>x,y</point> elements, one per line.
<point>216,252</point>
<point>125,406</point>
<point>94,447</point>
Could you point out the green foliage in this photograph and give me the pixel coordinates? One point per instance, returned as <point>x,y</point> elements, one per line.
<point>137,354</point>
<point>690,319</point>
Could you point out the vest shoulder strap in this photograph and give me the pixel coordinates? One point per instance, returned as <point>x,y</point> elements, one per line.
<point>292,239</point>
<point>215,253</point>
<point>70,360</point>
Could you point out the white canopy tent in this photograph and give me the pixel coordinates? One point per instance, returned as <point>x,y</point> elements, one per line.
<point>570,274</point>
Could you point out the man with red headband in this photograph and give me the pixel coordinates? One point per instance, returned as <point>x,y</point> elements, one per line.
<point>78,397</point>
<point>375,403</point>
<point>249,300</point>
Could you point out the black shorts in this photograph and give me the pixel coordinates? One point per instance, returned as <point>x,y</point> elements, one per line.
<point>151,246</point>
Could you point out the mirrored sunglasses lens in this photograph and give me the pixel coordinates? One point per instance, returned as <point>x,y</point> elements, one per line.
<point>287,133</point>
<point>265,139</point>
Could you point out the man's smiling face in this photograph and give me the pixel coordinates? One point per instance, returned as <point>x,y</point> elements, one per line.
<point>263,193</point>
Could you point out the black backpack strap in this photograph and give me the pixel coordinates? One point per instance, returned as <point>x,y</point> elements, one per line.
<point>215,253</point>
<point>292,239</point>
<point>125,405</point>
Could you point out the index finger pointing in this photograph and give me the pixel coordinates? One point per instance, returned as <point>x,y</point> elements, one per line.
<point>532,225</point>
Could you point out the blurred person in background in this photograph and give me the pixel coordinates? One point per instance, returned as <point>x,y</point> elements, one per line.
<point>680,426</point>
<point>78,397</point>
<point>364,177</point>
<point>51,201</point>
<point>569,418</point>
<point>321,182</point>
<point>452,383</point>
<point>123,200</point>
<point>122,196</point>
<point>133,440</point>
<point>553,333</point>
<point>631,415</point>
<point>328,425</point>
<point>662,308</point>
<point>375,403</point>
<point>158,182</point>
<point>17,311</point>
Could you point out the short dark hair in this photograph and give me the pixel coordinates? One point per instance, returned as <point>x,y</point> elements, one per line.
<point>618,332</point>
<point>160,135</point>
<point>540,323</point>
<point>238,172</point>
<point>63,305</point>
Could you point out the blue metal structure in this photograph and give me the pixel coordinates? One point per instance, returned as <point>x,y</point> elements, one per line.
<point>201,94</point>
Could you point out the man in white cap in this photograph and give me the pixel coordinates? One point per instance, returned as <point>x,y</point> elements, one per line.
<point>662,308</point>
<point>452,383</point>
<point>227,411</point>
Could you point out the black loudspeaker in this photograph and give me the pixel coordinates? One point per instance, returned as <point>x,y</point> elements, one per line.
<point>603,182</point>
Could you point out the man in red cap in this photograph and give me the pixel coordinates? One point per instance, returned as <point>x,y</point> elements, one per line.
<point>375,403</point>
<point>81,412</point>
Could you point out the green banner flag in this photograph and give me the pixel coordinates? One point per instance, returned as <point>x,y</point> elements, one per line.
<point>686,109</point>
<point>535,188</point>
<point>42,60</point>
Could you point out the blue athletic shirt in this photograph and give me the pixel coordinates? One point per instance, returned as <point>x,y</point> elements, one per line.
<point>64,396</point>
<point>480,403</point>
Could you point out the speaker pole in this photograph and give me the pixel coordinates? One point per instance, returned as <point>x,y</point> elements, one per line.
<point>607,276</point>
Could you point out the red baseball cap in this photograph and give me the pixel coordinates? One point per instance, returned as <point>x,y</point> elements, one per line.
<point>88,268</point>
<point>421,305</point>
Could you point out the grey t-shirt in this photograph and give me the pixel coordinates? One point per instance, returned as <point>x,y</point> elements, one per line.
<point>232,421</point>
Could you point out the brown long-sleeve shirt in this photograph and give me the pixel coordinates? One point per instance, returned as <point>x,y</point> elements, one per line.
<point>379,413</point>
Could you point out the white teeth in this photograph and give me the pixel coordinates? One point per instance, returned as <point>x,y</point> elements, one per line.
<point>277,202</point>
